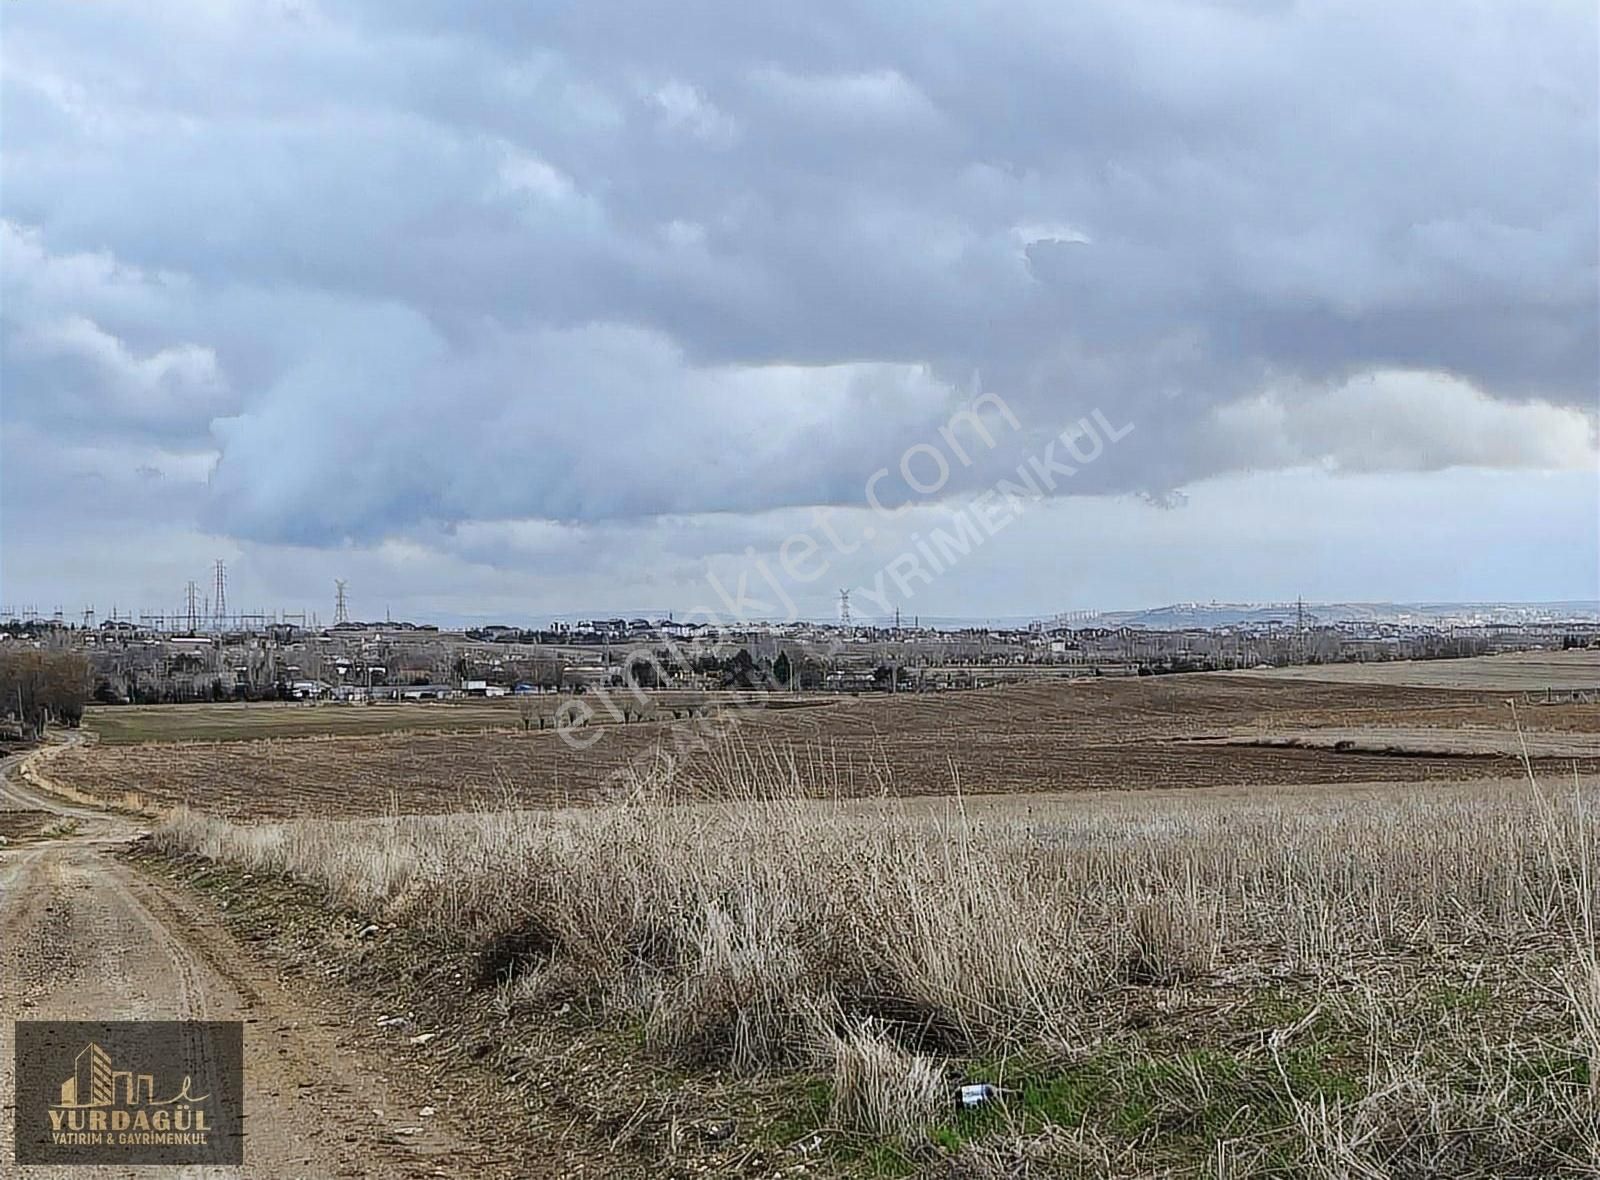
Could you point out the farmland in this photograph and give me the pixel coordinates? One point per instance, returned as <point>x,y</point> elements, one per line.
<point>1240,925</point>
<point>1525,671</point>
<point>223,722</point>
<point>1379,980</point>
<point>1196,731</point>
<point>240,721</point>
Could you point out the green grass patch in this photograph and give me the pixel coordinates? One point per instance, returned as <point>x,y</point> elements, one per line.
<point>120,725</point>
<point>1172,1105</point>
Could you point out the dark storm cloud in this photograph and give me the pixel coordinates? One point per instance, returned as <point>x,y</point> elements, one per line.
<point>403,267</point>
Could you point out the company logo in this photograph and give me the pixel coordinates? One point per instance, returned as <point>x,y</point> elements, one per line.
<point>179,1099</point>
<point>137,1115</point>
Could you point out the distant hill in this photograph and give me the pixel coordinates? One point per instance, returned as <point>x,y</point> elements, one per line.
<point>1227,614</point>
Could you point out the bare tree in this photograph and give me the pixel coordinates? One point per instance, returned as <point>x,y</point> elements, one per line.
<point>44,686</point>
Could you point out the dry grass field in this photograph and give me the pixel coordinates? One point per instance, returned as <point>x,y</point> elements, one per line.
<point>1394,982</point>
<point>1092,734</point>
<point>1186,926</point>
<point>240,721</point>
<point>1523,671</point>
<point>229,721</point>
<point>1409,740</point>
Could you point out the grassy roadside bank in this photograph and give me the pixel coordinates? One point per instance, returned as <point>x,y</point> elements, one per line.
<point>1340,984</point>
<point>556,1086</point>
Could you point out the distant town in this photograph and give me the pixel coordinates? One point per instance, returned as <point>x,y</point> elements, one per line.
<point>204,654</point>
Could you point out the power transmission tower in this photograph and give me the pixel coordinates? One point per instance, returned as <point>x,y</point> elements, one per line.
<point>193,602</point>
<point>844,608</point>
<point>341,613</point>
<point>219,596</point>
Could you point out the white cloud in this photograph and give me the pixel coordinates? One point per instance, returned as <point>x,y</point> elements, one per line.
<point>1030,233</point>
<point>64,365</point>
<point>522,173</point>
<point>551,424</point>
<point>180,381</point>
<point>1396,420</point>
<point>875,98</point>
<point>411,271</point>
<point>36,283</point>
<point>683,108</point>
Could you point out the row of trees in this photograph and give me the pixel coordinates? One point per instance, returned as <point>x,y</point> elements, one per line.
<point>742,670</point>
<point>40,688</point>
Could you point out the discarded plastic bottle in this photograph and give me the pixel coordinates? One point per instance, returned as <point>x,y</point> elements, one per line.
<point>977,1094</point>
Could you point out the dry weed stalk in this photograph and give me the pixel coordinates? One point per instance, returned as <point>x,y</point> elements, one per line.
<point>722,927</point>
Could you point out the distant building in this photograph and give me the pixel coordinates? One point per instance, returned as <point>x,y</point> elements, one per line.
<point>414,692</point>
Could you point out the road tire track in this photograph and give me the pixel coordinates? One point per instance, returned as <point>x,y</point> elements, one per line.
<point>84,936</point>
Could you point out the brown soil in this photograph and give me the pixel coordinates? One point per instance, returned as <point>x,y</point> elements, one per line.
<point>88,938</point>
<point>368,1052</point>
<point>1020,739</point>
<point>552,1088</point>
<point>25,824</point>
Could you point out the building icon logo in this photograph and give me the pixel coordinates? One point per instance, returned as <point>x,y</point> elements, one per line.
<point>93,1084</point>
<point>129,1092</point>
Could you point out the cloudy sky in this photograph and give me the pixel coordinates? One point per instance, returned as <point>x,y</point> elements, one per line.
<point>499,311</point>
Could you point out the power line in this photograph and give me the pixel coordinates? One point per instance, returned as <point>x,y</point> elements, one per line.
<point>219,595</point>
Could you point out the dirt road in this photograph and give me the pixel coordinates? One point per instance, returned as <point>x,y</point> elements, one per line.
<point>85,937</point>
